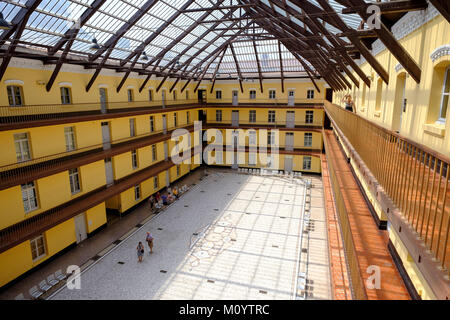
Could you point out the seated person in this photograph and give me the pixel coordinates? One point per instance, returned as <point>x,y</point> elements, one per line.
<point>158,205</point>
<point>175,192</point>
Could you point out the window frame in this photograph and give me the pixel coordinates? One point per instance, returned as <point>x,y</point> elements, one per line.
<point>442,120</point>
<point>271,114</point>
<point>70,135</point>
<point>137,192</point>
<point>155,182</point>
<point>309,116</point>
<point>272,94</point>
<point>307,162</point>
<point>252,94</point>
<point>130,95</point>
<point>36,247</point>
<point>29,185</point>
<point>21,142</point>
<point>310,94</point>
<point>218,115</point>
<point>132,127</point>
<point>308,137</point>
<point>134,159</point>
<point>150,94</point>
<point>66,95</point>
<point>218,94</point>
<point>12,95</point>
<point>74,180</point>
<point>154,153</point>
<point>252,116</point>
<point>152,123</point>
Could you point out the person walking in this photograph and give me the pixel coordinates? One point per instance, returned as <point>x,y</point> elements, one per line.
<point>149,240</point>
<point>151,202</point>
<point>140,251</point>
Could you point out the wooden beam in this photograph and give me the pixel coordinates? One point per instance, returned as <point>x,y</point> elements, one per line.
<point>237,67</point>
<point>161,83</point>
<point>185,85</point>
<point>259,67</point>
<point>443,6</point>
<point>174,85</point>
<point>391,7</point>
<point>281,66</point>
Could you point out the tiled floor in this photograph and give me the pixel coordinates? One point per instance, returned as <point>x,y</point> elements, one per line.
<point>233,236</point>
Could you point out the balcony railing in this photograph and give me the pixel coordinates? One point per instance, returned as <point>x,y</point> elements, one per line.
<point>275,102</point>
<point>415,177</point>
<point>315,122</point>
<point>17,114</point>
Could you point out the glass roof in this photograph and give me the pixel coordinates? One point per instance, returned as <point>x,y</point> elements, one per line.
<point>173,35</point>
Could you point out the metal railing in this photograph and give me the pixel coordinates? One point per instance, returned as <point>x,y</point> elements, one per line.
<point>315,122</point>
<point>414,176</point>
<point>17,114</point>
<point>357,281</point>
<point>241,100</point>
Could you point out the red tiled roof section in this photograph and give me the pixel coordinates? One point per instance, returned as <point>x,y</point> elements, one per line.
<point>370,242</point>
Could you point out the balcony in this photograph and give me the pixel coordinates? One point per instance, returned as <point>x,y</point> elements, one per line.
<point>280,124</point>
<point>410,182</point>
<point>252,103</point>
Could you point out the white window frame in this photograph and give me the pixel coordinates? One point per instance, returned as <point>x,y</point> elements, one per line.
<point>307,160</point>
<point>154,153</point>
<point>20,145</point>
<point>175,119</point>
<point>252,94</point>
<point>134,159</point>
<point>310,94</point>
<point>132,127</point>
<point>155,182</point>
<point>130,95</point>
<point>29,197</point>
<point>270,138</point>
<point>74,180</point>
<point>35,248</point>
<point>444,94</point>
<point>218,94</point>
<point>188,117</point>
<point>69,134</point>
<point>178,170</point>
<point>271,116</point>
<point>218,115</point>
<point>137,192</point>
<point>150,94</point>
<point>307,140</point>
<point>272,94</point>
<point>152,124</point>
<point>12,95</point>
<point>66,97</point>
<point>309,116</point>
<point>252,116</point>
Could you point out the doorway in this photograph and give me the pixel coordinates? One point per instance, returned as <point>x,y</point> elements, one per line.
<point>80,227</point>
<point>103,100</point>
<point>235,97</point>
<point>235,118</point>
<point>288,163</point>
<point>106,136</point>
<point>290,119</point>
<point>329,94</point>
<point>201,96</point>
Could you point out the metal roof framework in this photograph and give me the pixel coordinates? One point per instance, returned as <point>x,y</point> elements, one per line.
<point>199,40</point>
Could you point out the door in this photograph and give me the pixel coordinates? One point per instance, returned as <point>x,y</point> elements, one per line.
<point>291,97</point>
<point>163,98</point>
<point>290,119</point>
<point>106,136</point>
<point>167,178</point>
<point>201,96</point>
<point>109,172</point>
<point>235,118</point>
<point>164,117</point>
<point>166,151</point>
<point>80,227</point>
<point>289,141</point>
<point>288,162</point>
<point>235,139</point>
<point>235,98</point>
<point>103,100</point>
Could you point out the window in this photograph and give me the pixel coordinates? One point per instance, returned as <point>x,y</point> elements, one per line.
<point>219,115</point>
<point>272,94</point>
<point>363,96</point>
<point>134,160</point>
<point>445,96</point>
<point>22,147</point>
<point>132,127</point>
<point>174,95</point>
<point>271,116</point>
<point>252,116</point>
<point>14,95</point>
<point>65,95</point>
<point>270,138</point>
<point>306,163</point>
<point>252,159</point>
<point>378,95</point>
<point>188,117</point>
<point>37,247</point>
<point>137,192</point>
<point>310,94</point>
<point>187,95</point>
<point>130,95</point>
<point>308,139</point>
<point>69,133</point>
<point>29,197</point>
<point>154,154</point>
<point>152,123</point>
<point>155,182</point>
<point>252,94</point>
<point>291,93</point>
<point>309,116</point>
<point>178,170</point>
<point>218,94</point>
<point>252,138</point>
<point>150,95</point>
<point>175,120</point>
<point>74,181</point>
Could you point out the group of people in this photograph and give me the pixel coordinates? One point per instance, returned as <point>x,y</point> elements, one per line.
<point>140,248</point>
<point>157,201</point>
